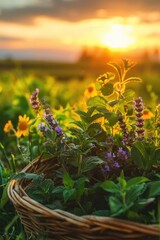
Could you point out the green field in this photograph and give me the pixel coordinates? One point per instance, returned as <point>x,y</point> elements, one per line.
<point>64,86</point>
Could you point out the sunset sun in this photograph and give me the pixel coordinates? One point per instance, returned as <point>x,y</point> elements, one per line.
<point>118,37</point>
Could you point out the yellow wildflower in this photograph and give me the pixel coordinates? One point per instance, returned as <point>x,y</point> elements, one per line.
<point>90,91</point>
<point>147,115</point>
<point>8,126</point>
<point>23,124</point>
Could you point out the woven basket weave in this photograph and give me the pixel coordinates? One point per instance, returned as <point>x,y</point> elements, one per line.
<point>61,225</point>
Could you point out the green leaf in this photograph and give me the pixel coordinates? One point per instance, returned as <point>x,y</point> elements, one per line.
<point>115,205</point>
<point>1,176</point>
<point>109,186</point>
<point>47,185</point>
<point>97,86</point>
<point>22,175</point>
<point>4,198</point>
<point>112,118</point>
<point>57,190</point>
<point>156,156</point>
<point>89,163</point>
<point>128,95</point>
<point>35,151</point>
<point>136,180</point>
<point>95,117</point>
<point>113,103</point>
<point>107,89</point>
<point>90,111</point>
<point>135,192</point>
<point>68,194</point>
<point>97,101</point>
<point>11,225</point>
<point>144,154</point>
<point>80,187</point>
<point>33,122</point>
<point>51,134</point>
<point>80,124</point>
<point>137,154</point>
<point>122,180</point>
<point>1,181</point>
<point>154,189</point>
<point>67,180</point>
<point>82,114</point>
<point>94,128</point>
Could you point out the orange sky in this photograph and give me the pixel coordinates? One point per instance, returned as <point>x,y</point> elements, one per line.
<point>58,29</point>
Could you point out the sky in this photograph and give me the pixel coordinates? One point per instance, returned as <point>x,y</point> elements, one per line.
<point>59,29</point>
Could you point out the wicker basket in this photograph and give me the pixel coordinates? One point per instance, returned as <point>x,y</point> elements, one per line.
<point>60,225</point>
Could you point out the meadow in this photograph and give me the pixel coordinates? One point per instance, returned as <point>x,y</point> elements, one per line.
<point>65,86</point>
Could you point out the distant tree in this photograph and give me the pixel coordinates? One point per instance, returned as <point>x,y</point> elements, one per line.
<point>146,56</point>
<point>85,55</point>
<point>156,55</point>
<point>96,53</point>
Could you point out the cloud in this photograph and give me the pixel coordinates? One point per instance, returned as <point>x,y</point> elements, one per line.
<point>8,39</point>
<point>76,10</point>
<point>39,54</point>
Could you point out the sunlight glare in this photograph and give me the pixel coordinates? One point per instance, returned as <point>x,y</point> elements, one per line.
<point>118,37</point>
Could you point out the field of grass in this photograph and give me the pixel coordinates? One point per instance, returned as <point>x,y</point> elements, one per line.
<point>64,86</point>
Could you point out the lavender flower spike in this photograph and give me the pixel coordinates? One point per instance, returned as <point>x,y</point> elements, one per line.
<point>122,154</point>
<point>50,119</point>
<point>139,107</point>
<point>58,130</point>
<point>34,100</point>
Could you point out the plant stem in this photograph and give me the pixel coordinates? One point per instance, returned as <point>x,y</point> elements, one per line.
<point>79,164</point>
<point>81,207</point>
<point>158,210</point>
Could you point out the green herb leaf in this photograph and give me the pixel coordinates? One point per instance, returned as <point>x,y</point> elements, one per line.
<point>107,89</point>
<point>22,175</point>
<point>136,180</point>
<point>67,180</point>
<point>89,163</point>
<point>154,189</point>
<point>4,199</point>
<point>109,186</point>
<point>135,192</point>
<point>112,118</point>
<point>68,194</point>
<point>97,101</point>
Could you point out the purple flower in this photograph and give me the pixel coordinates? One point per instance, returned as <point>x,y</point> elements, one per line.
<point>42,127</point>
<point>58,130</point>
<point>122,154</point>
<point>110,155</point>
<point>34,100</point>
<point>52,122</point>
<point>106,168</point>
<point>139,107</point>
<point>116,164</point>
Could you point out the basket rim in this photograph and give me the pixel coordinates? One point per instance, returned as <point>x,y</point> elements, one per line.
<point>15,191</point>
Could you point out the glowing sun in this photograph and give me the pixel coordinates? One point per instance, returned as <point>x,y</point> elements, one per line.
<point>118,37</point>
